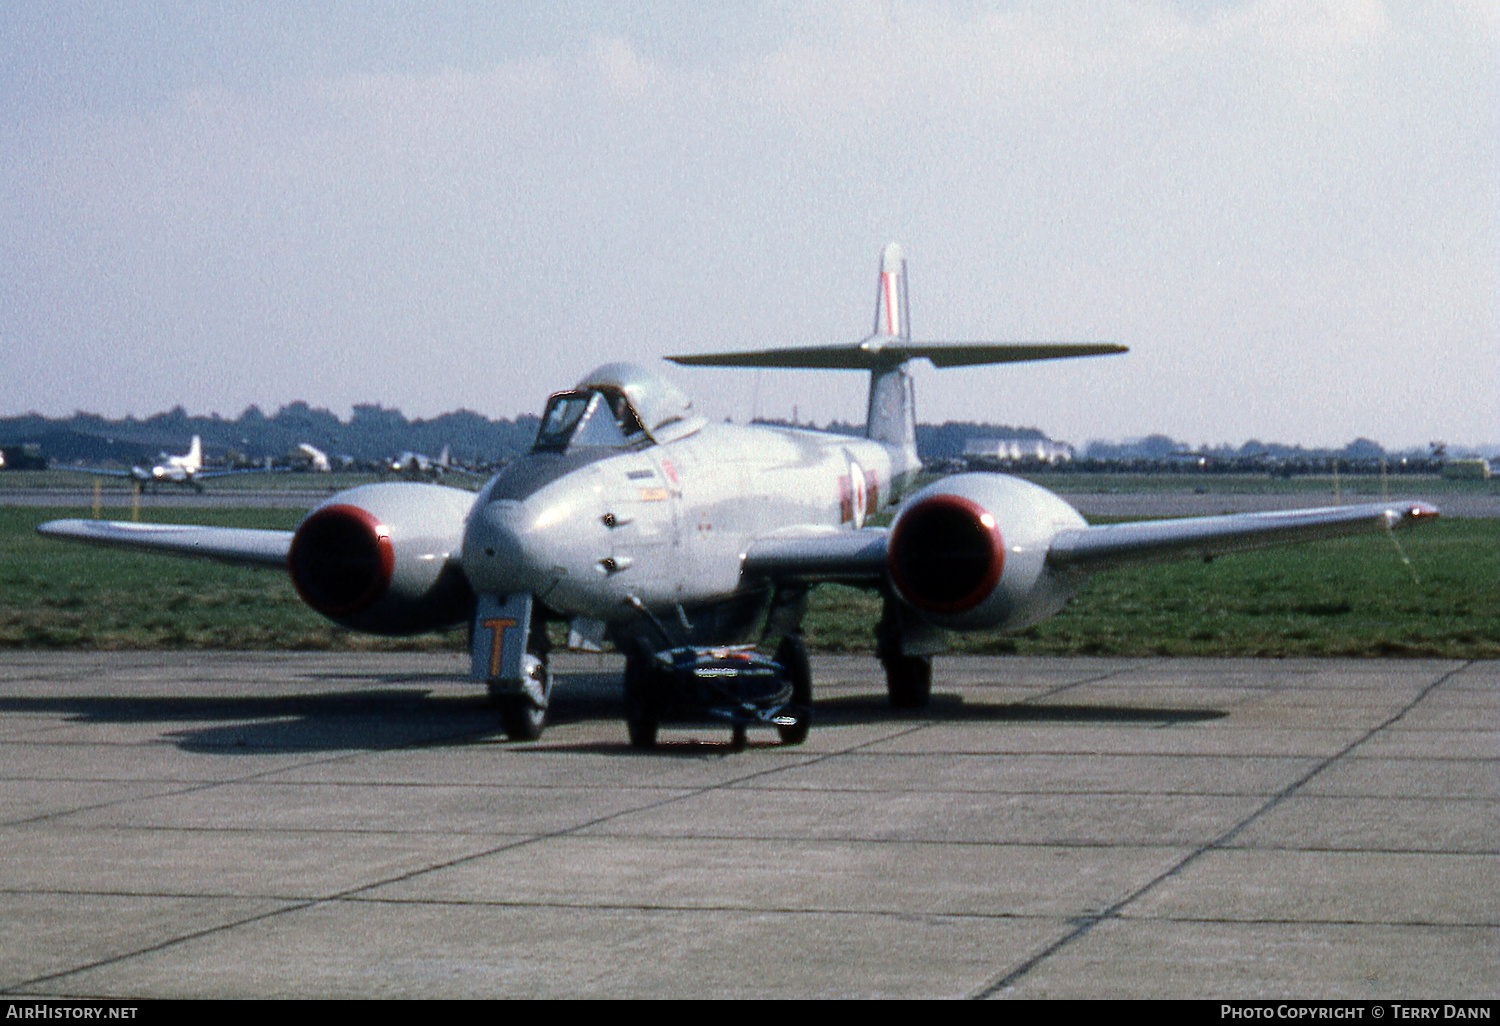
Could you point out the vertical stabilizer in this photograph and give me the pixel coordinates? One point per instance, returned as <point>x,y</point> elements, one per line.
<point>891,417</point>
<point>195,455</point>
<point>890,300</point>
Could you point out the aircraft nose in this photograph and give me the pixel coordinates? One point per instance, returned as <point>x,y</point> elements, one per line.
<point>520,545</point>
<point>496,555</point>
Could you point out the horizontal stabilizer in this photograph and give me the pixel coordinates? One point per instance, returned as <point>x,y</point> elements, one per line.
<point>881,353</point>
<point>242,545</point>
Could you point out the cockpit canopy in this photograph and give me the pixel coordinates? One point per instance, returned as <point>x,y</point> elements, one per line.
<point>619,405</point>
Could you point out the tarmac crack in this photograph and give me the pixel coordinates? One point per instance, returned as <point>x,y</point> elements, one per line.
<point>1097,679</point>
<point>1084,924</point>
<point>207,785</point>
<point>355,892</point>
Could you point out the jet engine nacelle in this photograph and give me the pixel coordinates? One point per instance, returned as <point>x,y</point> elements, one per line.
<point>969,552</point>
<point>383,558</point>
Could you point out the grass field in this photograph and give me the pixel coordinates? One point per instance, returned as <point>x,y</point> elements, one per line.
<point>1353,597</point>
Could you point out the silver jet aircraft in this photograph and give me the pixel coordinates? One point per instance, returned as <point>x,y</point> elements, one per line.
<point>632,519</point>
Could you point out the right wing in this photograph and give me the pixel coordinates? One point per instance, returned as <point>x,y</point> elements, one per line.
<point>240,545</point>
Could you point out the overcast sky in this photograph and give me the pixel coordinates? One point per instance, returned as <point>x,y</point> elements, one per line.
<point>1286,208</point>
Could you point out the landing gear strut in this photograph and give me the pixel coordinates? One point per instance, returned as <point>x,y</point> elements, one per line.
<point>792,655</point>
<point>642,695</point>
<point>908,681</point>
<point>898,642</point>
<point>508,649</point>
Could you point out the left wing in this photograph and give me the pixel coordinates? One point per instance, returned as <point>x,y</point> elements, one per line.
<point>1158,541</point>
<point>860,556</point>
<point>241,545</point>
<point>135,472</point>
<point>854,557</point>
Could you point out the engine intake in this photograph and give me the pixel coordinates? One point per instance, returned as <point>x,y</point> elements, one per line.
<point>341,560</point>
<point>946,554</point>
<point>384,558</point>
<point>969,552</point>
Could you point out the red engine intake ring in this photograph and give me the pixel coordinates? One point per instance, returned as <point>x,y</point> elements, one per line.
<point>946,554</point>
<point>341,560</point>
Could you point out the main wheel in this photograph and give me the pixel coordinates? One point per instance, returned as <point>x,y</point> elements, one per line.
<point>642,705</point>
<point>908,681</point>
<point>792,655</point>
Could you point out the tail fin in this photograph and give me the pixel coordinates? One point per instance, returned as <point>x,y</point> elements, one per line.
<point>195,454</point>
<point>890,299</point>
<point>891,416</point>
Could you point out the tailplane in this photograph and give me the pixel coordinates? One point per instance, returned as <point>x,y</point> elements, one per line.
<point>892,416</point>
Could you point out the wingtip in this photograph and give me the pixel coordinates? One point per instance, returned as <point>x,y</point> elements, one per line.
<point>1410,513</point>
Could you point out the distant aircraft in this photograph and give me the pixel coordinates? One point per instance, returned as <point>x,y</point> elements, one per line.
<point>416,467</point>
<point>634,519</point>
<point>186,469</point>
<point>316,458</point>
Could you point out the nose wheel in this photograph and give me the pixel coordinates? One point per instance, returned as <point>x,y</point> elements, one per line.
<point>523,715</point>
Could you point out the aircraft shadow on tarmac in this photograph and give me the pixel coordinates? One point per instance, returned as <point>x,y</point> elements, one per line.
<point>388,716</point>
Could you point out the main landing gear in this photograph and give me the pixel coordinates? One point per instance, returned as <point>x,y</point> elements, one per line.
<point>908,681</point>
<point>903,648</point>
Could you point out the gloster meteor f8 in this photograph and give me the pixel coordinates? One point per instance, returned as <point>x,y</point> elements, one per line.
<point>632,519</point>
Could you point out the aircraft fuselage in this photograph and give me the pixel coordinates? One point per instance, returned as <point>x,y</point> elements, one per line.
<point>668,524</point>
